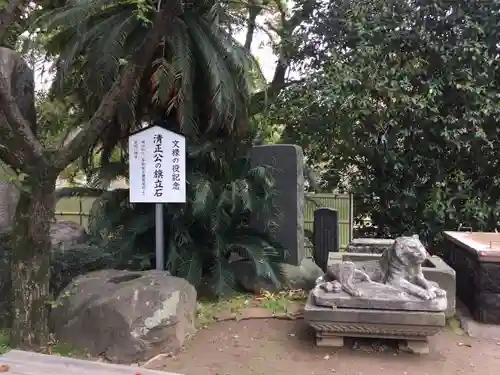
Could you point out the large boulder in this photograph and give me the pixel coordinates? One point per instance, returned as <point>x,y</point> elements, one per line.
<point>125,316</point>
<point>295,277</point>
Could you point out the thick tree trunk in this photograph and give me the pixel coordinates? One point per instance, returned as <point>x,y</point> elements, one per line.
<point>30,260</point>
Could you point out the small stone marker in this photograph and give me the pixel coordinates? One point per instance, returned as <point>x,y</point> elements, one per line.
<point>287,162</point>
<point>325,236</point>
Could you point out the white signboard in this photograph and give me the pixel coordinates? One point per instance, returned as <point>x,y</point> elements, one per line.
<point>157,166</point>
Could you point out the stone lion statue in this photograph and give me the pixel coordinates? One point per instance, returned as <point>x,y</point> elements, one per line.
<point>400,267</point>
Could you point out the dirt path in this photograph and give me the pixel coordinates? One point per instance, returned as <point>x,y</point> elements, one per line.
<point>276,347</point>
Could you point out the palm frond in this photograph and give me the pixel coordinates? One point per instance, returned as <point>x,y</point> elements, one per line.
<point>183,69</point>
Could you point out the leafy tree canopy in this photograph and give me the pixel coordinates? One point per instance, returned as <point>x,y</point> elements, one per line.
<point>400,106</point>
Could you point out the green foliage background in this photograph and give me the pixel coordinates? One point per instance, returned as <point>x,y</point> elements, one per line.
<point>401,107</point>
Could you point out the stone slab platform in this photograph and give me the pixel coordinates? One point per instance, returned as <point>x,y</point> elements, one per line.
<point>379,297</point>
<point>333,324</point>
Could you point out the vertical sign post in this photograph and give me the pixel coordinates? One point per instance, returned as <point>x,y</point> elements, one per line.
<point>157,174</point>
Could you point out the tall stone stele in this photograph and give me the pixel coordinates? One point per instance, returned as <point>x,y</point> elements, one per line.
<point>287,163</point>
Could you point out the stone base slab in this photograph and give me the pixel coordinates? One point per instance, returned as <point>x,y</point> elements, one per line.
<point>333,324</point>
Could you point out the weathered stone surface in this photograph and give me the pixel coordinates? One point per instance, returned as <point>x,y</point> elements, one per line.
<point>434,269</point>
<point>287,162</point>
<point>331,324</point>
<point>296,277</point>
<point>488,277</point>
<point>369,245</point>
<point>378,296</point>
<point>395,281</point>
<point>126,316</point>
<point>326,235</point>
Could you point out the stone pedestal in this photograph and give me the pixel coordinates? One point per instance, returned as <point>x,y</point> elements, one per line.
<point>411,327</point>
<point>475,257</point>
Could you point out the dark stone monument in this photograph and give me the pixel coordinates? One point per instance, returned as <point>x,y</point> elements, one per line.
<point>287,162</point>
<point>325,235</point>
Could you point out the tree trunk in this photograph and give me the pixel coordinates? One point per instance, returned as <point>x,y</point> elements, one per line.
<point>30,260</point>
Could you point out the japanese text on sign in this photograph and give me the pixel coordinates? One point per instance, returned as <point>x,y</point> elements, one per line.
<point>143,167</point>
<point>158,159</point>
<point>175,165</point>
<point>157,166</point>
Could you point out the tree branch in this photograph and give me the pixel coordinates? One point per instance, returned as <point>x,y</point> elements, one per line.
<point>253,11</point>
<point>122,87</point>
<point>263,98</point>
<point>16,133</point>
<point>260,99</point>
<point>8,16</point>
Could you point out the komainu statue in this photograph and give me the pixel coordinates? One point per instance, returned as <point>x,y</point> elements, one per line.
<point>400,268</point>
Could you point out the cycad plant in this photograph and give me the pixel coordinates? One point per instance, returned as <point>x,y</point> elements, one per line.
<point>200,76</point>
<point>223,192</point>
<point>201,79</point>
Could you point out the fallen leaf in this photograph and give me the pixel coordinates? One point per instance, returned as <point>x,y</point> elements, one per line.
<point>4,368</point>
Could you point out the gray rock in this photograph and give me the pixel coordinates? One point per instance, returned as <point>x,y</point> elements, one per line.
<point>126,316</point>
<point>295,277</point>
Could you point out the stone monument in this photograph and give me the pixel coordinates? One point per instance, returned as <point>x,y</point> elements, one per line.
<point>325,235</point>
<point>287,163</point>
<point>386,298</point>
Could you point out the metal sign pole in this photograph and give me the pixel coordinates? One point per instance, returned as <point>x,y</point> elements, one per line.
<point>160,240</point>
